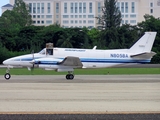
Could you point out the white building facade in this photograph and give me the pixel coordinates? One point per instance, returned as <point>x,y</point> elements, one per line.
<point>75,13</point>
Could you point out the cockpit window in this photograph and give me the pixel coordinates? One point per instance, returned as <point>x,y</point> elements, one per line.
<point>42,51</point>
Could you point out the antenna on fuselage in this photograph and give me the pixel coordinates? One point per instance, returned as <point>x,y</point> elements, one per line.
<point>49,48</point>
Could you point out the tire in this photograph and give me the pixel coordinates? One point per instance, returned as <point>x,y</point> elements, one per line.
<point>7,76</point>
<point>69,76</point>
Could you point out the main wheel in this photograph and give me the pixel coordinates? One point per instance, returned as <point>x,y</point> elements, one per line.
<point>7,76</point>
<point>69,76</point>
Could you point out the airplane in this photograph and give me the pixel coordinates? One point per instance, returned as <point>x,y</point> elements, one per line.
<point>68,59</point>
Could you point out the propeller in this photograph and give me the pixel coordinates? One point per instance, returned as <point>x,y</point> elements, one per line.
<point>33,61</point>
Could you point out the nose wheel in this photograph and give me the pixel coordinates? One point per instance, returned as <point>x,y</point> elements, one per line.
<point>7,76</point>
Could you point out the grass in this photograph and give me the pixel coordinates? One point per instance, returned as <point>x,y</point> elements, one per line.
<point>101,71</point>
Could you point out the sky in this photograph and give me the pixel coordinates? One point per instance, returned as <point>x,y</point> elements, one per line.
<point>3,2</point>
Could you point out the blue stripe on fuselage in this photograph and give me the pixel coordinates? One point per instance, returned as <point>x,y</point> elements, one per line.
<point>97,61</point>
<point>87,60</point>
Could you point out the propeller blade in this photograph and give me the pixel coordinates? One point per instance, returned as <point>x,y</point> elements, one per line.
<point>33,61</point>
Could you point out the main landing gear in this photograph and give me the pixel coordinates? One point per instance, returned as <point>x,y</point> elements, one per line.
<point>7,76</point>
<point>69,76</point>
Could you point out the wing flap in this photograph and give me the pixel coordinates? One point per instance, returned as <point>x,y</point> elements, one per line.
<point>71,61</point>
<point>146,55</point>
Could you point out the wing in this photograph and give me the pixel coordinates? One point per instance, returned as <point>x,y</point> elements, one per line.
<point>71,61</point>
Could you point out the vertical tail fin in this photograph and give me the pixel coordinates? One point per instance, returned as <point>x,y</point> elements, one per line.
<point>144,44</point>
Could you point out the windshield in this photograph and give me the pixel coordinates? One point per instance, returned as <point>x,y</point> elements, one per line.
<point>42,51</point>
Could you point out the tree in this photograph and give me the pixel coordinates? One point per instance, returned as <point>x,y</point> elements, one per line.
<point>110,20</point>
<point>9,20</point>
<point>152,24</point>
<point>65,40</point>
<point>17,18</point>
<point>94,36</point>
<point>111,15</point>
<point>23,10</point>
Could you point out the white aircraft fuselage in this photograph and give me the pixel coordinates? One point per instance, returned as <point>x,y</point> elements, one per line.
<point>67,59</point>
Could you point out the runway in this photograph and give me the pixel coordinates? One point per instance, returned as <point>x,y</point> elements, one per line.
<point>84,94</point>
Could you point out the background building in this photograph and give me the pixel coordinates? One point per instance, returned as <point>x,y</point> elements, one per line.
<point>75,13</point>
<point>7,7</point>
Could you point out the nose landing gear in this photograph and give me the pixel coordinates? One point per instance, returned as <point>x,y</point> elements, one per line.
<point>7,76</point>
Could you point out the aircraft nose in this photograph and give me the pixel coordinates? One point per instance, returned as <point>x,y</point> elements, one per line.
<point>5,62</point>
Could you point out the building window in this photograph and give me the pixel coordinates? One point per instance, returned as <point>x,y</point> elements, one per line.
<point>80,16</point>
<point>76,16</point>
<point>34,22</point>
<point>126,16</point>
<point>90,27</point>
<point>90,7</point>
<point>49,22</point>
<point>122,21</point>
<point>34,7</point>
<point>71,7</point>
<point>126,7</point>
<point>80,7</point>
<point>42,16</point>
<point>133,7</point>
<point>38,22</point>
<point>38,16</point>
<point>99,7</point>
<point>122,7</point>
<point>76,6</point>
<point>65,7</point>
<point>90,16</point>
<point>133,21</point>
<point>84,16</point>
<point>133,16</point>
<point>99,21</point>
<point>49,8</point>
<point>151,10</point>
<point>30,7</point>
<point>151,4</point>
<point>34,16</point>
<point>42,22</point>
<point>158,2</point>
<point>126,21</point>
<point>84,21</point>
<point>76,21</point>
<point>84,7</point>
<point>48,16</point>
<point>65,27</point>
<point>38,7</point>
<point>72,16</point>
<point>42,7</point>
<point>118,5</point>
<point>65,21</point>
<point>90,21</point>
<point>65,16</point>
<point>80,21</point>
<point>72,21</point>
<point>57,7</point>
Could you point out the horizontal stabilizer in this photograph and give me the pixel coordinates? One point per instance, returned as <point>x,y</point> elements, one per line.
<point>71,61</point>
<point>145,55</point>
